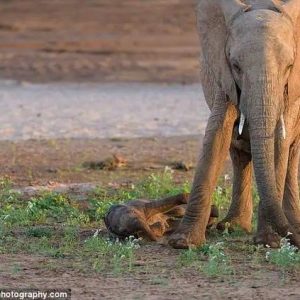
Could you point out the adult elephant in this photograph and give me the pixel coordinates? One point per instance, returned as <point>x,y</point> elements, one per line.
<point>250,67</point>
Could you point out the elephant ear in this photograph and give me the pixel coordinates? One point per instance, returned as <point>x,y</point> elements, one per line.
<point>292,9</point>
<point>213,18</point>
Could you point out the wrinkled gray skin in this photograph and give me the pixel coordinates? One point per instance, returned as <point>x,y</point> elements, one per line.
<point>250,66</point>
<point>149,219</point>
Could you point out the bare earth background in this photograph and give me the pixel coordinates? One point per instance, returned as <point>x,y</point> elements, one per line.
<point>100,110</point>
<point>112,46</point>
<point>98,40</point>
<point>77,50</point>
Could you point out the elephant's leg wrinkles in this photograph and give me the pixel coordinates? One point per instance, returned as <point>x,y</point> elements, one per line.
<point>191,231</point>
<point>291,202</point>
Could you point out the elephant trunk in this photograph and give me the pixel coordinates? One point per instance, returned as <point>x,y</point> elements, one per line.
<point>262,150</point>
<point>263,117</point>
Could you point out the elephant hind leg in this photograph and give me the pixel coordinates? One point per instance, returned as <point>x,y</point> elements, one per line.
<point>165,205</point>
<point>291,202</point>
<point>241,208</point>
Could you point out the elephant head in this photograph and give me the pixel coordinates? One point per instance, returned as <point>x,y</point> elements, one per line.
<point>254,54</point>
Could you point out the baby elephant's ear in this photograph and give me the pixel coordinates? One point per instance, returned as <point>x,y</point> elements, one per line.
<point>292,8</point>
<point>214,18</point>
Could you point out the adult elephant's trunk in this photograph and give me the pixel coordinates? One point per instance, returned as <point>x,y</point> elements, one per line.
<point>263,115</point>
<point>262,148</point>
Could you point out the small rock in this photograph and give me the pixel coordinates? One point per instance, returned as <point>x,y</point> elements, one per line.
<point>51,170</point>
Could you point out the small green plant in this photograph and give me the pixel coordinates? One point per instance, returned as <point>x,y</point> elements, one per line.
<point>7,195</point>
<point>70,241</point>
<point>287,256</point>
<point>188,257</point>
<point>218,263</point>
<point>257,253</point>
<point>116,255</point>
<point>39,231</point>
<point>209,259</point>
<point>44,209</point>
<point>156,186</point>
<point>222,197</point>
<point>44,246</point>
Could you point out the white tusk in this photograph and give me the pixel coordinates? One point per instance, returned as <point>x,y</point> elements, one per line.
<point>242,123</point>
<point>283,130</point>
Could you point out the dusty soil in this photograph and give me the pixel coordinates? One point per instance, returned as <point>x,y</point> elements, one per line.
<point>100,110</point>
<point>156,276</point>
<point>156,273</point>
<point>98,40</point>
<point>36,162</point>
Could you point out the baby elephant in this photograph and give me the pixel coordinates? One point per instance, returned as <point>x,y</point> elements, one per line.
<point>149,219</point>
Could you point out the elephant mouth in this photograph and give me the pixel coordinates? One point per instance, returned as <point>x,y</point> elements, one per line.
<point>241,141</point>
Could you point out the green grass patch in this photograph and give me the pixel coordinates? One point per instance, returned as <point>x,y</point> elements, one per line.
<point>104,254</point>
<point>286,257</point>
<point>52,225</point>
<point>208,259</point>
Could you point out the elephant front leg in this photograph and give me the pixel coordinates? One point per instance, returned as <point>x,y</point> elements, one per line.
<point>191,231</point>
<point>291,202</point>
<point>241,208</point>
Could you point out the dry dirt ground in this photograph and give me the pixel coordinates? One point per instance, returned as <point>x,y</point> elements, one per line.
<point>156,272</point>
<point>98,40</point>
<point>113,41</point>
<point>157,276</point>
<point>38,162</point>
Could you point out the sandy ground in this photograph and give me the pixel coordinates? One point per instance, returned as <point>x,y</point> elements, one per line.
<point>38,162</point>
<point>59,110</point>
<point>98,40</point>
<point>158,278</point>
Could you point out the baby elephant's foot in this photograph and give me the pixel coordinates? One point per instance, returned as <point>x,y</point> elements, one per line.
<point>268,238</point>
<point>185,240</point>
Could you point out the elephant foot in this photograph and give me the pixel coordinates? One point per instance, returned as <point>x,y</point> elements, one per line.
<point>296,228</point>
<point>185,240</point>
<point>294,219</point>
<point>295,237</point>
<point>232,224</point>
<point>268,238</point>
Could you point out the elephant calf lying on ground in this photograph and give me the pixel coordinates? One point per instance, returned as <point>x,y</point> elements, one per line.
<point>149,219</point>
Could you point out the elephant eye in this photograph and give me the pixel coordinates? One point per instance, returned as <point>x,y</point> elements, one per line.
<point>236,67</point>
